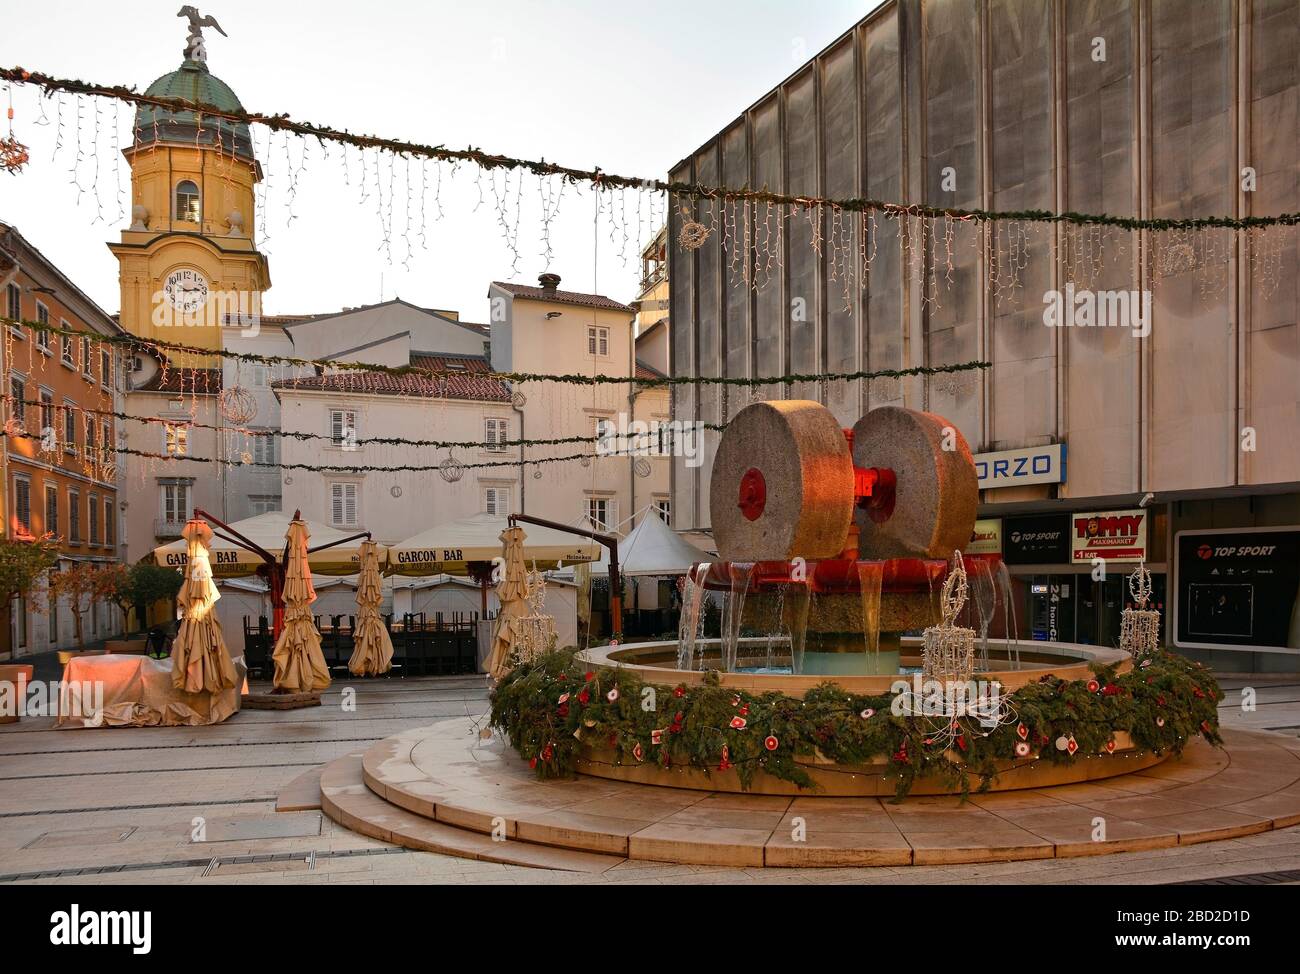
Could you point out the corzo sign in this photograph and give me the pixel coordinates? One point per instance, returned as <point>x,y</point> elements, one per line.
<point>1021,467</point>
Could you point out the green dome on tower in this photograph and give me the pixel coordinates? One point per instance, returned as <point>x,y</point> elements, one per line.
<point>193,82</point>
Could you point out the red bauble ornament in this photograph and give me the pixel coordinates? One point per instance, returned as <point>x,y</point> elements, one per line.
<point>738,723</point>
<point>1093,686</point>
<point>771,743</point>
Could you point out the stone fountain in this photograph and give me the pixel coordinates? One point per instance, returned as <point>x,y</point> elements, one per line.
<point>837,538</point>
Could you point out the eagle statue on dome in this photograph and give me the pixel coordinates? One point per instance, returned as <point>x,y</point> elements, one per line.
<point>194,49</point>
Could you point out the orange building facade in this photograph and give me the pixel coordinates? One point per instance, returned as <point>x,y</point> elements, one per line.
<point>60,462</point>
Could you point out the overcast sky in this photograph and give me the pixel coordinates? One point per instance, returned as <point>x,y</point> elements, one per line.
<point>630,87</point>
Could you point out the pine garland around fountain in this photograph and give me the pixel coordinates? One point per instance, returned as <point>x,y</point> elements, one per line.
<point>555,706</point>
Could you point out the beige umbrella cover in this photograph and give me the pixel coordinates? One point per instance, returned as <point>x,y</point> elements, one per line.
<point>299,663</point>
<point>200,662</point>
<point>513,594</point>
<point>373,652</point>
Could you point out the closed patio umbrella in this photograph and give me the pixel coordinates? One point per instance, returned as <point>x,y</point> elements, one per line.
<point>373,652</point>
<point>299,663</point>
<point>512,591</point>
<point>200,662</point>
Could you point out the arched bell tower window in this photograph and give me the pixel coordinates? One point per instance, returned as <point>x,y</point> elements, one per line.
<point>188,208</point>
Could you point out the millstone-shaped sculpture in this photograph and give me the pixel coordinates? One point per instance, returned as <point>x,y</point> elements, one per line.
<point>782,484</point>
<point>936,491</point>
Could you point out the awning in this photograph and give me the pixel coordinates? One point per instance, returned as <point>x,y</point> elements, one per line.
<point>651,548</point>
<point>268,530</point>
<point>448,548</point>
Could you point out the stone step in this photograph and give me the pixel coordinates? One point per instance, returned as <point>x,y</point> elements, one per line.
<point>346,799</point>
<point>302,794</point>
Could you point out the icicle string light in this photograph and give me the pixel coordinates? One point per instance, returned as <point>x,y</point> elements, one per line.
<point>603,180</point>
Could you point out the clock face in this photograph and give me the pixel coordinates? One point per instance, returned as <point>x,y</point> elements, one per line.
<point>186,289</point>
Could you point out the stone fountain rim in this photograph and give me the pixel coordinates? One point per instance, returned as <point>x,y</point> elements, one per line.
<point>1077,662</point>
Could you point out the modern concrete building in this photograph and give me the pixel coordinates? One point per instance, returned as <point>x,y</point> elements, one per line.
<point>1150,108</point>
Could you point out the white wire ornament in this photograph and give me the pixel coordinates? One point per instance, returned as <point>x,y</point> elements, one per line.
<point>1139,627</point>
<point>642,467</point>
<point>948,653</point>
<point>451,470</point>
<point>238,405</point>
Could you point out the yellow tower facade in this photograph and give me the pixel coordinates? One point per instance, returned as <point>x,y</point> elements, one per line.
<point>188,261</point>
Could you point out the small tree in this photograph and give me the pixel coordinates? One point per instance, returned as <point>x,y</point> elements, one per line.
<point>139,586</point>
<point>21,564</point>
<point>78,585</point>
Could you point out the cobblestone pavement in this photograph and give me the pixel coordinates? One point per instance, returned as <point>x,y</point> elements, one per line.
<point>122,806</point>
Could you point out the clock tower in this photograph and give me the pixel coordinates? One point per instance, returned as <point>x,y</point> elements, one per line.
<point>188,263</point>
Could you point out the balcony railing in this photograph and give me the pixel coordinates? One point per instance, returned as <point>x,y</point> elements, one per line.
<point>165,528</point>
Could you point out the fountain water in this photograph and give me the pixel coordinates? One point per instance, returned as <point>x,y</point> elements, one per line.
<point>984,596</point>
<point>1009,604</point>
<point>688,629</point>
<point>733,610</point>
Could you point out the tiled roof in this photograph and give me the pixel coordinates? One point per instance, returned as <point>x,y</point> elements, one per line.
<point>564,297</point>
<point>644,371</point>
<point>466,380</point>
<point>198,382</point>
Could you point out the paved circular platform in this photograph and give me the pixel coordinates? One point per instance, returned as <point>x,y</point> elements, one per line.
<point>446,788</point>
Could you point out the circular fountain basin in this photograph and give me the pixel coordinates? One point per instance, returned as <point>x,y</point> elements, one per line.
<point>759,672</point>
<point>656,662</point>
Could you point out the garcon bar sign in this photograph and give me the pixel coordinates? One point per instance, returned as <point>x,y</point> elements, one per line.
<point>1109,535</point>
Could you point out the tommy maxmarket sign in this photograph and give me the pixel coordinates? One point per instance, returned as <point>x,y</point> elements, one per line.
<point>1108,535</point>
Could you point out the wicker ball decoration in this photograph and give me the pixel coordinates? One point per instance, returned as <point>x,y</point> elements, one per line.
<point>641,466</point>
<point>238,405</point>
<point>692,235</point>
<point>13,154</point>
<point>1177,258</point>
<point>451,470</point>
<point>395,490</point>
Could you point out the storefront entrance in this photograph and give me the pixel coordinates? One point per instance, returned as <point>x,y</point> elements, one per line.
<point>1076,609</point>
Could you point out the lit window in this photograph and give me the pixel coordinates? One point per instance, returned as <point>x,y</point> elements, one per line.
<point>176,440</point>
<point>187,202</point>
<point>86,357</point>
